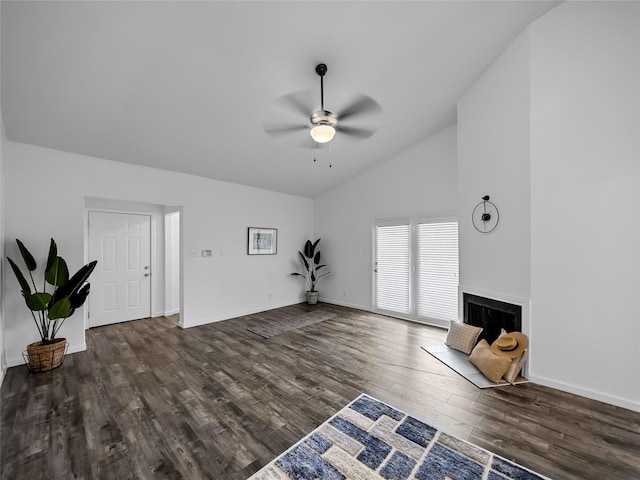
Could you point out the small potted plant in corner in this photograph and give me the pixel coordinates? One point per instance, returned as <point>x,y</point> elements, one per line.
<point>50,309</point>
<point>310,260</point>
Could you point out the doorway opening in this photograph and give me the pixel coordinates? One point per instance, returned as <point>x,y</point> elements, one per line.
<point>172,264</point>
<point>156,276</point>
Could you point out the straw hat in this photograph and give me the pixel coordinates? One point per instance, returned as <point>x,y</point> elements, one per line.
<point>510,345</point>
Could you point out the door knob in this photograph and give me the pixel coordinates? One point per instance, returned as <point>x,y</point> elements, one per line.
<point>146,267</point>
<point>146,274</point>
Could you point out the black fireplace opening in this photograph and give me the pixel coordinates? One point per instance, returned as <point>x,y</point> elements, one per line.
<point>492,315</point>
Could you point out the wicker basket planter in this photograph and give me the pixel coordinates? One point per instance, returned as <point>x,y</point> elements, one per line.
<point>60,295</point>
<point>312,297</point>
<point>42,358</point>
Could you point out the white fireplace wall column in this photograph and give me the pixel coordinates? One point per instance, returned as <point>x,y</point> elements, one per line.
<point>550,132</point>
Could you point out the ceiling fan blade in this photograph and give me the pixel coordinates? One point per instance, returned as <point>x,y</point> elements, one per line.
<point>278,130</point>
<point>360,104</point>
<point>308,143</point>
<point>355,132</point>
<point>300,102</point>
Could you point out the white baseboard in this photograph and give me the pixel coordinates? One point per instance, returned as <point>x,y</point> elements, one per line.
<point>368,309</point>
<point>80,347</point>
<point>219,318</point>
<point>171,312</point>
<point>14,362</point>
<point>3,371</point>
<point>345,304</point>
<point>588,393</point>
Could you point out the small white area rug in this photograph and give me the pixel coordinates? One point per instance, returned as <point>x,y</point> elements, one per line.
<point>273,328</point>
<point>459,362</point>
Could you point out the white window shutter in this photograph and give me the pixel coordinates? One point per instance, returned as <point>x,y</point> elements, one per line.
<point>393,257</point>
<point>438,270</point>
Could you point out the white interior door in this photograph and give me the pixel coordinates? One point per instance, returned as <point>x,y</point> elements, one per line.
<point>121,282</point>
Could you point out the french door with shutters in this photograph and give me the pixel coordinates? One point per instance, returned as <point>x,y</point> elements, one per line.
<point>393,259</point>
<point>121,282</point>
<point>416,269</point>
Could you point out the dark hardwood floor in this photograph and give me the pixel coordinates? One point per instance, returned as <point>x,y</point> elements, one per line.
<point>150,400</point>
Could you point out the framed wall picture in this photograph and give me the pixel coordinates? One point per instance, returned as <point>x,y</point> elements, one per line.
<point>262,241</point>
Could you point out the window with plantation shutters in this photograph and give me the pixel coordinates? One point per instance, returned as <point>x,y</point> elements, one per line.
<point>437,271</point>
<point>393,267</point>
<point>416,269</point>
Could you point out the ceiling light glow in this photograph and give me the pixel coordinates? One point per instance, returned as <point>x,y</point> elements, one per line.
<point>322,133</point>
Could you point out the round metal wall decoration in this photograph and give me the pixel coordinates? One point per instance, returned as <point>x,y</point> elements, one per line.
<point>485,216</point>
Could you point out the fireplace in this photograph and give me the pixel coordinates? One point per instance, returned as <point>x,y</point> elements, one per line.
<point>492,315</point>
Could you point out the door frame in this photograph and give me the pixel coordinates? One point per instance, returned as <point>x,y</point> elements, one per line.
<point>153,250</point>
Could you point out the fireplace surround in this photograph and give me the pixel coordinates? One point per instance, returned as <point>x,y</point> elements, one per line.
<point>492,315</point>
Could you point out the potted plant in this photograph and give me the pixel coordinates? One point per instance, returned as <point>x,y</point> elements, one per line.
<point>310,259</point>
<point>51,308</point>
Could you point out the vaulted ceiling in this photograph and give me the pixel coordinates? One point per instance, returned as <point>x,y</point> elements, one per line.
<point>187,86</point>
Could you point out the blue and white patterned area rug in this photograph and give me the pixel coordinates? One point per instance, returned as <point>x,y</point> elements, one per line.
<point>370,440</point>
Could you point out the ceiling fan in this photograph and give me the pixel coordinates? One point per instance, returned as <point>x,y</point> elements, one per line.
<point>324,124</point>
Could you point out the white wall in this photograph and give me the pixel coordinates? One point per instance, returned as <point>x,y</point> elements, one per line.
<point>585,202</point>
<point>47,188</point>
<point>3,138</point>
<point>418,182</point>
<point>493,159</point>
<point>3,358</point>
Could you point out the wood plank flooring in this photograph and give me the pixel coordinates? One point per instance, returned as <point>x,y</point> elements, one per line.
<point>149,400</point>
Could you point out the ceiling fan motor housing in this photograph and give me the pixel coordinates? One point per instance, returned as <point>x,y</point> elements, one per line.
<point>321,69</point>
<point>323,117</point>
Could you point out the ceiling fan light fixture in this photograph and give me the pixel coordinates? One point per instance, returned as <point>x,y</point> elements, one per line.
<point>323,122</point>
<point>322,133</point>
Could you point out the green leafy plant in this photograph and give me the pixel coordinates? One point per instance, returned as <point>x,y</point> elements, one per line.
<point>310,260</point>
<point>65,294</point>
